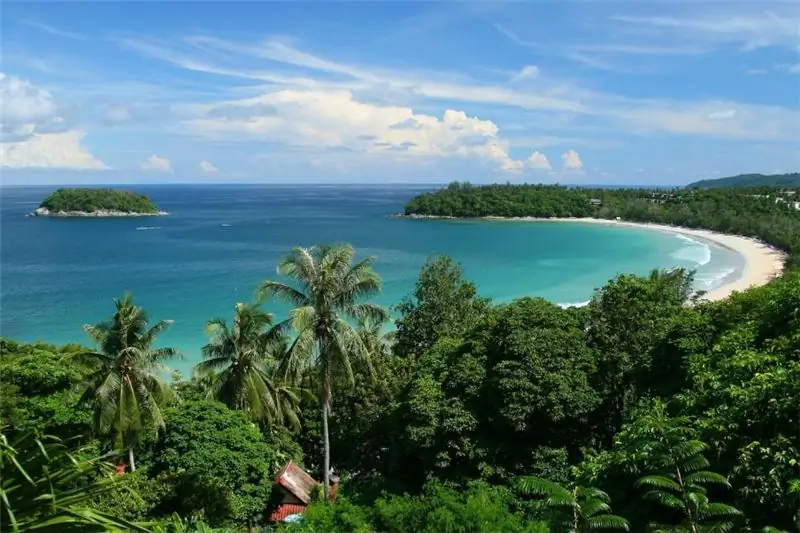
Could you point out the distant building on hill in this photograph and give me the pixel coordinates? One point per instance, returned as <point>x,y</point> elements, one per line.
<point>596,201</point>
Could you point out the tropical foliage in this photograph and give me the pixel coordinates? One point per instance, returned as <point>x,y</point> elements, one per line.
<point>45,488</point>
<point>329,288</point>
<point>636,412</point>
<point>582,508</point>
<point>126,391</point>
<point>242,362</point>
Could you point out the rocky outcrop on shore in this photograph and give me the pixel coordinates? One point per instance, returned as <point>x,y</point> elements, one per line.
<point>44,212</point>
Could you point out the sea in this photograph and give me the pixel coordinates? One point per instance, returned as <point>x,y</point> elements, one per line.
<point>220,241</point>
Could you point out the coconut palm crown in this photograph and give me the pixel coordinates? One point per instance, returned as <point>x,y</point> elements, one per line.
<point>243,361</point>
<point>329,292</point>
<point>126,390</point>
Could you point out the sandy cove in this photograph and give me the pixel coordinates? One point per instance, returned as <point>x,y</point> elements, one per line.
<point>762,262</point>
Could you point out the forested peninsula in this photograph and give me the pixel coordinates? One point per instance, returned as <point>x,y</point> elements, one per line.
<point>96,203</point>
<point>749,181</point>
<point>770,214</point>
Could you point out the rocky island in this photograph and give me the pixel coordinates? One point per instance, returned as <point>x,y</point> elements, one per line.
<point>97,203</point>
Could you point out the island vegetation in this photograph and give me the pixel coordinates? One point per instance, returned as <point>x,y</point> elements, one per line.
<point>769,214</point>
<point>749,181</point>
<point>88,202</point>
<point>634,413</point>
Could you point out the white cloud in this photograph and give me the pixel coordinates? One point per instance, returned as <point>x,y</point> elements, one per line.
<point>156,164</point>
<point>26,109</point>
<point>435,85</point>
<point>22,102</point>
<point>722,115</point>
<point>208,167</point>
<point>559,102</point>
<point>336,119</point>
<point>527,72</point>
<point>538,161</point>
<point>572,161</point>
<point>50,150</point>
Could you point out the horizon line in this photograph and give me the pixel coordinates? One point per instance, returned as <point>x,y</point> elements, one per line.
<point>326,184</point>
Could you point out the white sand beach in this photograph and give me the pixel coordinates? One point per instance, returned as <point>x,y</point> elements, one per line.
<point>762,262</point>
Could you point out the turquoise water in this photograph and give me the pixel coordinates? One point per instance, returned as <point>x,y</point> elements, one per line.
<point>220,241</point>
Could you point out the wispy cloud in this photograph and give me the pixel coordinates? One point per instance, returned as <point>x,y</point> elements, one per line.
<point>551,97</point>
<point>52,30</point>
<point>441,86</point>
<point>604,56</point>
<point>606,48</point>
<point>751,31</point>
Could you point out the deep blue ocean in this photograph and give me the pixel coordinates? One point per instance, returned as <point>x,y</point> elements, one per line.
<point>221,240</point>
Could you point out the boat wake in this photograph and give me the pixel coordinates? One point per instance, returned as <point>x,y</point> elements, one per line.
<point>147,228</point>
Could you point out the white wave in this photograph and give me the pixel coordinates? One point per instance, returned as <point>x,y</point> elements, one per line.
<point>225,225</point>
<point>711,280</point>
<point>696,252</point>
<point>147,228</point>
<point>573,304</point>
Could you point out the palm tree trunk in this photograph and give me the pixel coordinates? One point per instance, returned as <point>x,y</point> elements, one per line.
<point>327,445</point>
<point>130,459</point>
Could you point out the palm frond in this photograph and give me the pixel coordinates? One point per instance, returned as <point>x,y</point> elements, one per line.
<point>720,510</point>
<point>607,521</point>
<point>44,488</point>
<point>705,477</point>
<point>280,291</point>
<point>658,482</point>
<point>666,499</point>
<point>533,485</point>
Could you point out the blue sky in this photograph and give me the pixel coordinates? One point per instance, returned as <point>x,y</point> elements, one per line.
<point>584,92</point>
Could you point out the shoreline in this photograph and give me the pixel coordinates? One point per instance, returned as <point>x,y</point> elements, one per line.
<point>44,212</point>
<point>762,263</point>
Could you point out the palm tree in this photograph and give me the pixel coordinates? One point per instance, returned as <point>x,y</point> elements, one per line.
<point>329,292</point>
<point>681,486</point>
<point>242,361</point>
<point>588,507</point>
<point>373,336</point>
<point>44,488</point>
<point>126,389</point>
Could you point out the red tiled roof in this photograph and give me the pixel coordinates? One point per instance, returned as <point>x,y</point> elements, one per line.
<point>284,510</point>
<point>296,480</point>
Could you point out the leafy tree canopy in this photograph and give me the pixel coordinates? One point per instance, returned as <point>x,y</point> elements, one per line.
<point>90,200</point>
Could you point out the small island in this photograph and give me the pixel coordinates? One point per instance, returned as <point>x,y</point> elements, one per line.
<point>97,203</point>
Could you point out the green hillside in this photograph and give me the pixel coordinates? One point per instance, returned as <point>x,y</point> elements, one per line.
<point>750,180</point>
